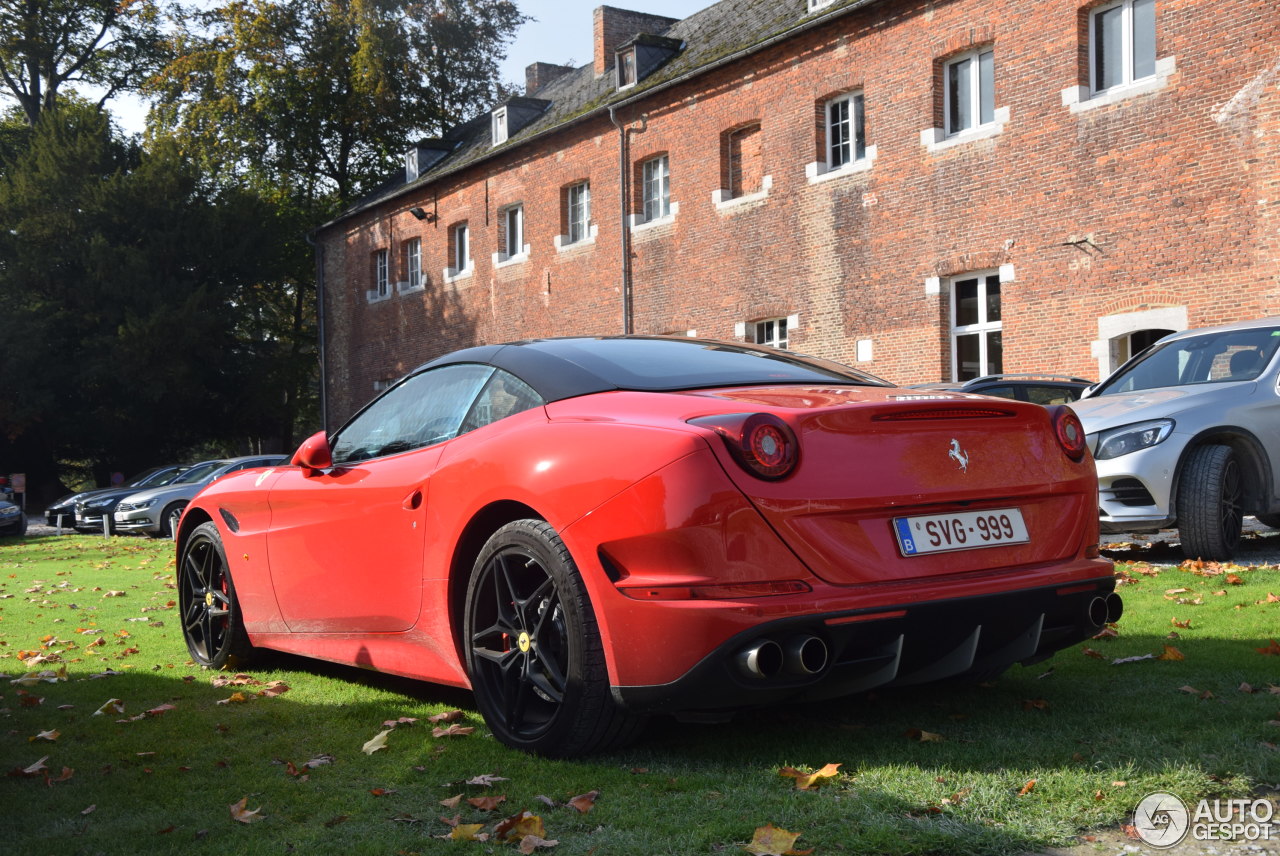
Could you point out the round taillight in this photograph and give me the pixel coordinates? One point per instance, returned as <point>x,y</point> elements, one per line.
<point>761,443</point>
<point>1070,432</point>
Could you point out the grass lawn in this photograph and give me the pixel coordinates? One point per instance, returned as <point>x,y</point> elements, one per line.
<point>1038,757</point>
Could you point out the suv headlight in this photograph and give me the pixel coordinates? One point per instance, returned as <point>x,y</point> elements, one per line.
<point>1132,438</point>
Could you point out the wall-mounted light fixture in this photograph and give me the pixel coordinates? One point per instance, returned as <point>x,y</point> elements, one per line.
<point>422,214</point>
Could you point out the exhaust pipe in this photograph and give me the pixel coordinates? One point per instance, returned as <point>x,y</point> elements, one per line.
<point>1115,608</point>
<point>1098,612</point>
<point>805,655</point>
<point>761,660</point>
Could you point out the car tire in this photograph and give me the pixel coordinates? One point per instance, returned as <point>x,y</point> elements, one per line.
<point>533,648</point>
<point>212,623</point>
<point>1210,504</point>
<point>1271,520</point>
<point>169,520</point>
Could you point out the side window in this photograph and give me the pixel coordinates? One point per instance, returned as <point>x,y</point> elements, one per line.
<point>425,409</point>
<point>504,395</point>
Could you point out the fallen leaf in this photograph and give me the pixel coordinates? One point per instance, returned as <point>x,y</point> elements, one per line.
<point>583,803</point>
<point>1035,704</point>
<point>90,810</point>
<point>923,736</point>
<point>451,802</point>
<point>1107,633</point>
<point>447,716</point>
<point>467,832</point>
<point>518,826</point>
<point>381,792</point>
<point>240,812</point>
<point>1272,650</point>
<point>482,803</point>
<point>234,698</point>
<point>334,821</point>
<point>487,780</point>
<point>530,843</point>
<point>1185,625</point>
<point>378,741</point>
<point>1119,660</point>
<point>395,723</point>
<point>1171,653</point>
<point>1190,690</point>
<point>1089,652</point>
<point>112,705</point>
<point>770,840</point>
<point>454,730</point>
<point>273,689</point>
<point>1027,788</point>
<point>1245,688</point>
<point>1120,784</point>
<point>804,781</point>
<point>1272,598</point>
<point>1233,580</point>
<point>46,736</point>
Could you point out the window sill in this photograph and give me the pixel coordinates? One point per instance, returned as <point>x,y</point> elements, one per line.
<point>406,288</point>
<point>453,274</point>
<point>501,260</point>
<point>818,172</point>
<point>724,202</point>
<point>372,296</point>
<point>563,245</point>
<point>638,225</point>
<point>936,140</point>
<point>1079,99</point>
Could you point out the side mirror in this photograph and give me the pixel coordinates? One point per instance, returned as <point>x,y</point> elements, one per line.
<point>314,453</point>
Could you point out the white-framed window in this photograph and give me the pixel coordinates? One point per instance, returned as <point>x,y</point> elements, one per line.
<point>413,264</point>
<point>771,332</point>
<point>381,274</point>
<point>626,64</point>
<point>460,243</point>
<point>578,211</point>
<point>969,91</point>
<point>976,327</point>
<point>846,130</point>
<point>1122,43</point>
<point>499,125</point>
<point>513,231</point>
<point>657,188</point>
<point>815,5</point>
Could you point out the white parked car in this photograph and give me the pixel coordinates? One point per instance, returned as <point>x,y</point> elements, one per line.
<point>1187,434</point>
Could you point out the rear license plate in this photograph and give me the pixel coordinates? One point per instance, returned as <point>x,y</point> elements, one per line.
<point>961,530</point>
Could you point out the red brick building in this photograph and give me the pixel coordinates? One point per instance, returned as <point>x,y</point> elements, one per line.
<point>928,189</point>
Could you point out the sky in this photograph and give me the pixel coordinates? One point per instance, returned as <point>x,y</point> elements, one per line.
<point>561,34</point>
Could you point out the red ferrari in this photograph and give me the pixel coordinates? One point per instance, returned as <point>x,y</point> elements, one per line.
<point>587,531</point>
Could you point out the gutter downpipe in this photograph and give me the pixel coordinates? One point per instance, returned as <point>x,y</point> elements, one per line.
<point>324,380</point>
<point>623,188</point>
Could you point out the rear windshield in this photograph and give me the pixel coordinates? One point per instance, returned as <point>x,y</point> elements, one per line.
<point>669,364</point>
<point>1223,357</point>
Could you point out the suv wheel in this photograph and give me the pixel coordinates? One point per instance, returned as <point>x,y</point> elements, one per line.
<point>1209,505</point>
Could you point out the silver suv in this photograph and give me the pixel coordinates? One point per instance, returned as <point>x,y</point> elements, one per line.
<point>1187,434</point>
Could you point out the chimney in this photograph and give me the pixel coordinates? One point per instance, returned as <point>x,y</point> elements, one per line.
<point>539,74</point>
<point>615,26</point>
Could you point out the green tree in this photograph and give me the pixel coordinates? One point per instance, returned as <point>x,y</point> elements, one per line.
<point>46,45</point>
<point>119,274</point>
<point>321,96</point>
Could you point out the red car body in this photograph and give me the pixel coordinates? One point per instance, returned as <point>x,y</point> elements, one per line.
<point>711,586</point>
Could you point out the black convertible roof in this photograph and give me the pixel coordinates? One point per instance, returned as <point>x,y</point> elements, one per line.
<point>569,367</point>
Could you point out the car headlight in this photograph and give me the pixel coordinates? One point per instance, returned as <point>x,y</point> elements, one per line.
<point>10,511</point>
<point>98,503</point>
<point>138,506</point>
<point>1132,438</point>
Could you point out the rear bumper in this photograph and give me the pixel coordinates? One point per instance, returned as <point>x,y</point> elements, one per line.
<point>882,646</point>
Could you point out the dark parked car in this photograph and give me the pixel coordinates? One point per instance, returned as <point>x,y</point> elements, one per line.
<point>12,520</point>
<point>93,510</point>
<point>74,507</point>
<point>1036,388</point>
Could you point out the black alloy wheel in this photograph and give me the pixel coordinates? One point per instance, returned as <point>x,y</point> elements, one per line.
<point>211,620</point>
<point>1211,504</point>
<point>533,648</point>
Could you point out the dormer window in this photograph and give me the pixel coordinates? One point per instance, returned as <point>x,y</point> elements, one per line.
<point>626,68</point>
<point>499,126</point>
<point>815,5</point>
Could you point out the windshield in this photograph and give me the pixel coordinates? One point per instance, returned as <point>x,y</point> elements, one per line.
<point>200,472</point>
<point>157,478</point>
<point>1226,356</point>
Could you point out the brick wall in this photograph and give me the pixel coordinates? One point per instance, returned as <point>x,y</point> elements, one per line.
<point>1163,200</point>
